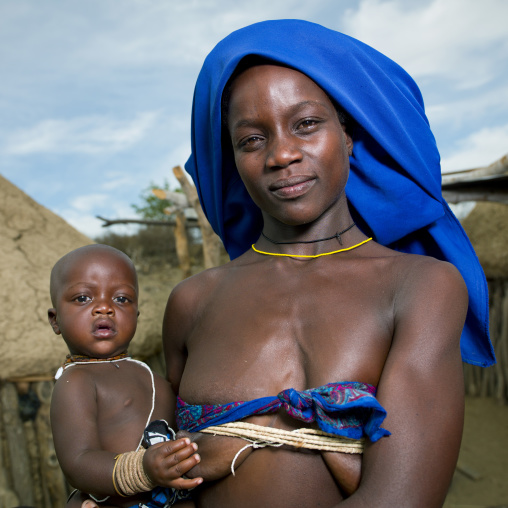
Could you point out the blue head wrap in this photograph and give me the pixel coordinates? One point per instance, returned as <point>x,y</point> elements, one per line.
<point>394,186</point>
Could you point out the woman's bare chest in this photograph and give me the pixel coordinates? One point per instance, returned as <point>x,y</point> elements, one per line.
<point>261,338</point>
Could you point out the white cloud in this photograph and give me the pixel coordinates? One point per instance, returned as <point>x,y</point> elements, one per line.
<point>467,109</point>
<point>87,224</point>
<point>479,149</point>
<point>90,135</point>
<point>99,37</point>
<point>81,214</point>
<point>116,180</point>
<point>177,156</point>
<point>88,202</point>
<point>436,38</point>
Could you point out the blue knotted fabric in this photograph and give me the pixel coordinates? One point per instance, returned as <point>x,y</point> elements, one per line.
<point>394,186</point>
<point>347,409</point>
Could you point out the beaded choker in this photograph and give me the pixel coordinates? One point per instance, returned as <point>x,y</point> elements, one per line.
<point>71,360</point>
<point>336,235</point>
<point>86,359</point>
<point>314,256</point>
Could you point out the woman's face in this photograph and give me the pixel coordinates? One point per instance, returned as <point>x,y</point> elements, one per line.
<point>290,149</point>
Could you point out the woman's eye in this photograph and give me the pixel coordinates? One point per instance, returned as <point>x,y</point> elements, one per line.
<point>309,122</point>
<point>82,299</point>
<point>250,142</point>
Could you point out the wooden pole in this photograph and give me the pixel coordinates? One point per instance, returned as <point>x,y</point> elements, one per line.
<point>182,244</point>
<point>35,470</point>
<point>16,445</point>
<point>8,497</point>
<point>55,490</point>
<point>502,351</point>
<point>211,242</point>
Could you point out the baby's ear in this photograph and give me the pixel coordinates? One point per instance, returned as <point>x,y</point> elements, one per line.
<point>53,322</point>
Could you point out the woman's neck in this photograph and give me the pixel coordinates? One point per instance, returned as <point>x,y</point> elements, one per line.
<point>325,234</point>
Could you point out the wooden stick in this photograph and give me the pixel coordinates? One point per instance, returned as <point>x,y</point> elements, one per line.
<point>182,244</point>
<point>468,471</point>
<point>16,445</point>
<point>211,242</point>
<point>7,495</point>
<point>55,490</point>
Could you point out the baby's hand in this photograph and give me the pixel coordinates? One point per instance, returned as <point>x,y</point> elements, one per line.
<point>89,504</point>
<point>217,454</point>
<point>166,462</point>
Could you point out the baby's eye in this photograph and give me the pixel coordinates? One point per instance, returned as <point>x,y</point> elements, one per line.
<point>83,299</point>
<point>121,299</point>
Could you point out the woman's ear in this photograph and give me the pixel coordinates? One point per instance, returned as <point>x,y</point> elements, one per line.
<point>53,321</point>
<point>349,140</point>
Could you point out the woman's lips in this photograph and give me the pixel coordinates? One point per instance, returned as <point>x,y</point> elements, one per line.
<point>293,187</point>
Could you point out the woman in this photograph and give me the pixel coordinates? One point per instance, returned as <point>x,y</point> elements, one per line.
<point>314,148</point>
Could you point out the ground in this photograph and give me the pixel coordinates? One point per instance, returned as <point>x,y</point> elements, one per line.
<point>481,478</point>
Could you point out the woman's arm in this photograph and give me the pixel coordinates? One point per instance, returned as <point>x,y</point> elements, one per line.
<point>421,388</point>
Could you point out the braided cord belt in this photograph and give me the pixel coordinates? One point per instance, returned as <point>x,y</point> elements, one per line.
<point>260,437</point>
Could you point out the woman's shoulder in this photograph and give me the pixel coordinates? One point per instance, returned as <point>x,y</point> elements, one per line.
<point>204,283</point>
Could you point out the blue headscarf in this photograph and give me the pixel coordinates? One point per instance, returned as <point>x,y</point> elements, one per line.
<point>394,186</point>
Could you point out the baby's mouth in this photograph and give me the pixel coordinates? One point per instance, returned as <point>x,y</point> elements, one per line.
<point>103,328</point>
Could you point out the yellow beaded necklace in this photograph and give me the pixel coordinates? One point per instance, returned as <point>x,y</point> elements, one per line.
<point>314,256</point>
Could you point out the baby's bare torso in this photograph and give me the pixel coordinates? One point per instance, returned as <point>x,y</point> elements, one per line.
<point>111,406</point>
<point>269,324</point>
<point>123,395</point>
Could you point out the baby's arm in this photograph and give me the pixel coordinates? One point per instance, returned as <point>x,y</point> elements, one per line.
<point>217,454</point>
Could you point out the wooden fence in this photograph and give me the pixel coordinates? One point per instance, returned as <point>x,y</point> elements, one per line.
<point>29,471</point>
<point>493,381</point>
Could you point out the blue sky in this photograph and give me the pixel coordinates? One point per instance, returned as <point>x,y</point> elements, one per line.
<point>95,95</point>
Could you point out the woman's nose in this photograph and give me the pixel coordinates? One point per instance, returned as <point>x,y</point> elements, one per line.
<point>283,151</point>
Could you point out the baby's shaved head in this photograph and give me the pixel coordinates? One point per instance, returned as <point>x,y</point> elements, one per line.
<point>82,254</point>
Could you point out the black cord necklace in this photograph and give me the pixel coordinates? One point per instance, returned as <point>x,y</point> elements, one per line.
<point>336,235</point>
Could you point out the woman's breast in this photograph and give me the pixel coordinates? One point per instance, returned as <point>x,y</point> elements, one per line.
<point>275,477</point>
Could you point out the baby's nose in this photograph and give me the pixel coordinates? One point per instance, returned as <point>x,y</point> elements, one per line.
<point>103,307</point>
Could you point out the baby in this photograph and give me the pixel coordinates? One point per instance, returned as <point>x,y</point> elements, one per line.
<point>101,406</point>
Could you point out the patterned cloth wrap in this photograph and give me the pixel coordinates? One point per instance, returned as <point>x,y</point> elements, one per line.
<point>347,409</point>
<point>162,497</point>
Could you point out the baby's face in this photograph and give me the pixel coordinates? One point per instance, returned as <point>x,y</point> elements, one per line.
<point>96,305</point>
